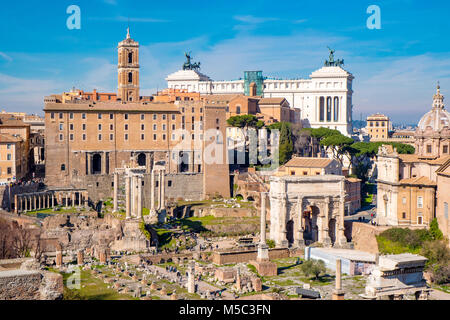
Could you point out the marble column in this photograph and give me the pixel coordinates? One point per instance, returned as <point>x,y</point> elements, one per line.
<point>301,228</point>
<point>26,203</point>
<point>53,200</point>
<point>116,191</point>
<point>152,193</point>
<point>73,199</point>
<point>127,197</point>
<point>163,189</point>
<point>340,236</point>
<point>284,242</point>
<point>139,197</point>
<point>67,199</point>
<point>338,293</point>
<point>16,204</point>
<point>159,190</point>
<point>34,202</point>
<point>326,240</point>
<point>263,249</point>
<point>191,275</point>
<point>86,200</point>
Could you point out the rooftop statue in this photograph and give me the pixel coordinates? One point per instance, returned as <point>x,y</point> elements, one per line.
<point>331,62</point>
<point>188,65</point>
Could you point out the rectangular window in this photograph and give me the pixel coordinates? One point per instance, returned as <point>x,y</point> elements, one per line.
<point>126,136</point>
<point>126,126</point>
<point>173,127</point>
<point>154,127</point>
<point>169,183</point>
<point>142,116</point>
<point>71,126</point>
<point>403,215</point>
<point>445,149</point>
<point>52,115</point>
<point>173,136</point>
<point>71,115</point>
<point>100,137</point>
<point>84,126</point>
<point>154,117</point>
<point>419,220</point>
<point>61,126</point>
<point>111,127</point>
<point>142,137</point>
<point>71,136</point>
<point>419,202</point>
<point>111,116</point>
<point>9,171</point>
<point>428,148</point>
<point>111,137</point>
<point>83,116</point>
<point>164,117</point>
<point>84,136</point>
<point>142,127</point>
<point>126,116</point>
<point>60,115</point>
<point>8,146</point>
<point>61,137</point>
<point>154,137</point>
<point>164,127</point>
<point>99,115</point>
<point>99,127</point>
<point>8,157</point>
<point>173,117</point>
<point>164,137</point>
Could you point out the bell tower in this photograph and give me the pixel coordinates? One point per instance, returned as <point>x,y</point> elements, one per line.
<point>128,69</point>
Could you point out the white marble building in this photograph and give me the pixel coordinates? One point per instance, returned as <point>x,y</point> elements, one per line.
<point>325,99</point>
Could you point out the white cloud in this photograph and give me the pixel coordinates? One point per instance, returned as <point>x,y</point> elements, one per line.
<point>253,19</point>
<point>401,87</point>
<point>5,56</point>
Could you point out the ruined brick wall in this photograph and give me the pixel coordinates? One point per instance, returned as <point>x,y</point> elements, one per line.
<point>181,185</point>
<point>20,285</point>
<point>221,258</point>
<point>363,236</point>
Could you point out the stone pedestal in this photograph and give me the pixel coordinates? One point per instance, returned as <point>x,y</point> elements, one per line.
<point>265,268</point>
<point>257,284</point>
<point>80,258</point>
<point>263,252</point>
<point>59,259</point>
<point>338,295</point>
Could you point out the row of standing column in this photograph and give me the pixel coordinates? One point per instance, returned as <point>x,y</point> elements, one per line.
<point>38,201</point>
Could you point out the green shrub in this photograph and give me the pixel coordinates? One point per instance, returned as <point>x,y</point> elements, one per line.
<point>313,267</point>
<point>436,233</point>
<point>270,243</point>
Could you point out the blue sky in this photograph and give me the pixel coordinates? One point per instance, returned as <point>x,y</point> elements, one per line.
<point>396,68</point>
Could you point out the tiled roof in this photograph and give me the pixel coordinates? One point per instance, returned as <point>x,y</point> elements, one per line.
<point>9,138</point>
<point>112,106</point>
<point>271,100</point>
<point>416,158</point>
<point>418,181</point>
<point>305,162</point>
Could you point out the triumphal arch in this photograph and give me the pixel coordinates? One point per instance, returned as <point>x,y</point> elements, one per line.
<point>307,209</point>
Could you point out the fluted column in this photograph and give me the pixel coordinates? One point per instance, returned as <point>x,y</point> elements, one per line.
<point>163,190</point>
<point>152,192</point>
<point>263,218</point>
<point>301,227</point>
<point>139,197</point>
<point>116,191</point>
<point>127,197</point>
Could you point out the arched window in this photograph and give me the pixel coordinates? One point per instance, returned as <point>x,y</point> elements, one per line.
<point>322,109</point>
<point>336,109</point>
<point>130,77</point>
<point>328,108</point>
<point>130,57</point>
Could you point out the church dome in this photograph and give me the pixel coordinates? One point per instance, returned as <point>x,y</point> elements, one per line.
<point>438,117</point>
